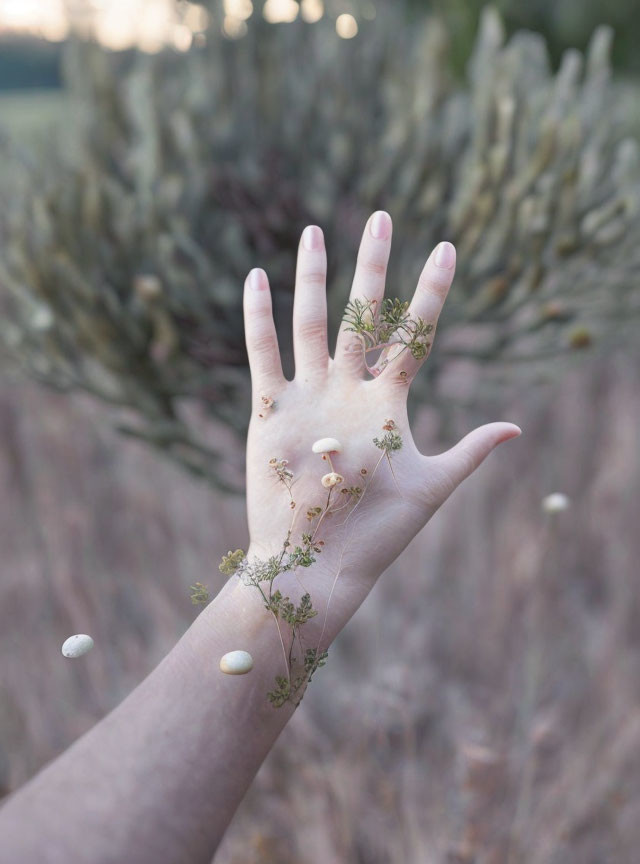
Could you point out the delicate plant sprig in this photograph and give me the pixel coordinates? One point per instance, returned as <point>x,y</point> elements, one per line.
<point>352,491</point>
<point>390,324</point>
<point>389,442</point>
<point>281,693</point>
<point>287,690</point>
<point>293,615</point>
<point>199,594</point>
<point>314,660</point>
<point>284,475</point>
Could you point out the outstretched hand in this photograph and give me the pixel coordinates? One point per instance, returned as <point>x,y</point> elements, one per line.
<point>388,490</point>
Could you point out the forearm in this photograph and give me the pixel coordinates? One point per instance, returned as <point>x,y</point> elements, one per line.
<point>160,777</point>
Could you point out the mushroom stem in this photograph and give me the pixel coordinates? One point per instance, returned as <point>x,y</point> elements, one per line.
<point>327,456</point>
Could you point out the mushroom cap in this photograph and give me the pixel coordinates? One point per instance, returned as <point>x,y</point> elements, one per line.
<point>327,445</point>
<point>331,479</point>
<point>76,646</point>
<point>236,663</point>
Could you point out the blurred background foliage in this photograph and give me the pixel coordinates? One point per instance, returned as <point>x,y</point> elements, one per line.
<point>126,243</point>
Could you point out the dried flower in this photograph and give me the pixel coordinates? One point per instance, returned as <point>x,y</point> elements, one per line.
<point>332,479</point>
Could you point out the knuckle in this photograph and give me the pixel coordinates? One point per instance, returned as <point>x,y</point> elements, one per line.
<point>259,314</point>
<point>262,343</point>
<point>312,330</point>
<point>373,267</point>
<point>398,382</point>
<point>434,283</point>
<point>350,350</point>
<point>313,277</point>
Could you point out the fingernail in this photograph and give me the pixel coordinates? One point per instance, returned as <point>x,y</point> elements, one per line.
<point>256,282</point>
<point>312,238</point>
<point>381,225</point>
<point>515,432</point>
<point>445,255</point>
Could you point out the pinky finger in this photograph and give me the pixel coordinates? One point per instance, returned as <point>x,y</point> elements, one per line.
<point>428,300</point>
<point>260,335</point>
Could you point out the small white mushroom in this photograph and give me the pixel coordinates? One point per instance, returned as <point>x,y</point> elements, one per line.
<point>76,646</point>
<point>556,503</point>
<point>326,446</point>
<point>332,479</point>
<point>236,663</point>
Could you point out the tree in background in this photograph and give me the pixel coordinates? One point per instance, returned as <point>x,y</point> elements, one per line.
<point>124,251</point>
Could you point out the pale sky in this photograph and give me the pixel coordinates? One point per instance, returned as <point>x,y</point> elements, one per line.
<point>151,24</point>
<point>116,23</point>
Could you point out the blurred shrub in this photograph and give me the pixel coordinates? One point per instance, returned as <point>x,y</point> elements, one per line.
<point>564,24</point>
<point>123,256</point>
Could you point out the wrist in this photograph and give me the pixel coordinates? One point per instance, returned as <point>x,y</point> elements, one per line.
<point>239,618</point>
<point>291,598</point>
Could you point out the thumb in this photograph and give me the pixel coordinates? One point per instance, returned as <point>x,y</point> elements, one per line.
<point>471,451</point>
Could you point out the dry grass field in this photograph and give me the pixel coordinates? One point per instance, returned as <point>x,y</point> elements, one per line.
<point>483,705</point>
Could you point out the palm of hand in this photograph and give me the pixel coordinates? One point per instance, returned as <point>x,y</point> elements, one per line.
<point>359,532</point>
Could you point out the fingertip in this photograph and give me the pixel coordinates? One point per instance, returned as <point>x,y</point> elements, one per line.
<point>257,280</point>
<point>512,431</point>
<point>380,225</point>
<point>444,255</point>
<point>312,238</point>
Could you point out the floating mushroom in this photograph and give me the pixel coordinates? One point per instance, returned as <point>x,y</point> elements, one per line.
<point>236,663</point>
<point>76,646</point>
<point>556,502</point>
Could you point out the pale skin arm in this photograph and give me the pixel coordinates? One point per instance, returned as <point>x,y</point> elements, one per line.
<point>159,779</point>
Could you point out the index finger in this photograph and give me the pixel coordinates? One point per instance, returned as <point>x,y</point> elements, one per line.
<point>260,335</point>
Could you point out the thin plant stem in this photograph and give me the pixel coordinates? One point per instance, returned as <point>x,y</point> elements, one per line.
<point>326,612</point>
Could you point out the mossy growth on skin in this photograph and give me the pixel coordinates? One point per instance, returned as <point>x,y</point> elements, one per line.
<point>379,326</point>
<point>301,661</point>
